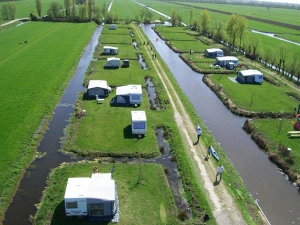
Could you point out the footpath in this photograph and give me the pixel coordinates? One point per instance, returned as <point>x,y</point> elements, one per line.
<point>224,208</point>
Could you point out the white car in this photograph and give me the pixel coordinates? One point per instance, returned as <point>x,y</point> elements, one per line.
<point>217,66</point>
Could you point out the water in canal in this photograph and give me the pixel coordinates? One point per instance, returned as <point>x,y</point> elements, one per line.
<point>34,180</point>
<point>279,200</point>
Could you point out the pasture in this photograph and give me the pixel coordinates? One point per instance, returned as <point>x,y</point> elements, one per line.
<point>136,182</point>
<point>33,77</point>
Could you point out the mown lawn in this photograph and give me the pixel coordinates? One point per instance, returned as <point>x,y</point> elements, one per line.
<point>276,132</point>
<point>143,191</point>
<point>33,77</point>
<point>254,97</point>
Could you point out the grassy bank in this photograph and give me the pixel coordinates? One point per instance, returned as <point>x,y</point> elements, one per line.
<point>33,77</point>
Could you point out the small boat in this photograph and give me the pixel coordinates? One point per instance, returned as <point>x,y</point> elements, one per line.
<point>214,153</point>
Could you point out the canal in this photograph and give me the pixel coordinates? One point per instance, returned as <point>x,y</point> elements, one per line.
<point>278,198</point>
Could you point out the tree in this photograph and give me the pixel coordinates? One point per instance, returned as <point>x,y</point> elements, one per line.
<point>149,14</point>
<point>115,17</point>
<point>242,28</point>
<point>179,20</point>
<point>53,9</point>
<point>293,66</point>
<point>142,13</point>
<point>231,28</point>
<point>8,11</point>
<point>73,8</point>
<point>236,27</point>
<point>205,20</point>
<point>90,9</point>
<point>82,11</point>
<point>39,7</point>
<point>219,30</point>
<point>103,9</point>
<point>195,24</point>
<point>173,17</point>
<point>108,17</point>
<point>67,7</point>
<point>283,53</point>
<point>191,15</point>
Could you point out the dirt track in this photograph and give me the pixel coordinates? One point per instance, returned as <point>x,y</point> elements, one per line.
<point>223,206</point>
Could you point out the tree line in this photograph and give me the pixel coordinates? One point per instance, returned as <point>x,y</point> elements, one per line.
<point>234,33</point>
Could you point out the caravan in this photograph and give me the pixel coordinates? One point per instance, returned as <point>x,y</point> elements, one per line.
<point>112,63</point>
<point>138,122</point>
<point>95,197</point>
<point>109,50</point>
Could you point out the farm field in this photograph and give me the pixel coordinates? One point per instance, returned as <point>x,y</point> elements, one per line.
<point>184,12</point>
<point>33,77</point>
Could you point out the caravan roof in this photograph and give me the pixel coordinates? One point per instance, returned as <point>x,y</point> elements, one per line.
<point>77,187</point>
<point>103,189</point>
<point>225,58</point>
<point>98,83</point>
<point>250,72</point>
<point>213,50</point>
<point>137,116</point>
<point>129,89</point>
<point>110,47</point>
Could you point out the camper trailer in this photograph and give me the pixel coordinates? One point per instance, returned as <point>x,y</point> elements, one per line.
<point>95,197</point>
<point>98,88</point>
<point>250,77</point>
<point>128,95</point>
<point>109,50</point>
<point>223,61</point>
<point>112,63</point>
<point>138,122</point>
<point>213,52</point>
<point>113,27</point>
<point>75,196</point>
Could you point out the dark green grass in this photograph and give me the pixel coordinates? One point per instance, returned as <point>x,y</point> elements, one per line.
<point>276,133</point>
<point>137,184</point>
<point>254,97</point>
<point>33,76</point>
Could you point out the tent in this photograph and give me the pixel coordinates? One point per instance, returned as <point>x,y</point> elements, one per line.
<point>128,95</point>
<point>213,52</point>
<point>98,87</point>
<point>138,122</point>
<point>95,197</point>
<point>223,61</point>
<point>250,77</point>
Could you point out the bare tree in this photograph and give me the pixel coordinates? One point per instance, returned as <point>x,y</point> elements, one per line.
<point>142,13</point>
<point>82,11</point>
<point>39,7</point>
<point>8,11</point>
<point>53,9</point>
<point>73,8</point>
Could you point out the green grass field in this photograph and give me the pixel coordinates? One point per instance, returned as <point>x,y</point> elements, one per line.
<point>136,187</point>
<point>33,77</point>
<point>253,97</point>
<point>276,133</point>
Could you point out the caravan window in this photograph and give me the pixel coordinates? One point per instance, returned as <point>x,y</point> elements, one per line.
<point>139,125</point>
<point>71,205</point>
<point>135,97</point>
<point>96,210</point>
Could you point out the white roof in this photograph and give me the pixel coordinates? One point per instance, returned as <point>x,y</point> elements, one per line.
<point>99,84</point>
<point>77,187</point>
<point>250,72</point>
<point>214,50</point>
<point>223,58</point>
<point>129,89</point>
<point>103,189</point>
<point>137,116</point>
<point>113,58</point>
<point>99,186</point>
<point>104,176</point>
<point>110,47</point>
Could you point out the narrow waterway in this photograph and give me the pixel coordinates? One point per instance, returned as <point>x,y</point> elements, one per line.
<point>279,199</point>
<point>34,180</point>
